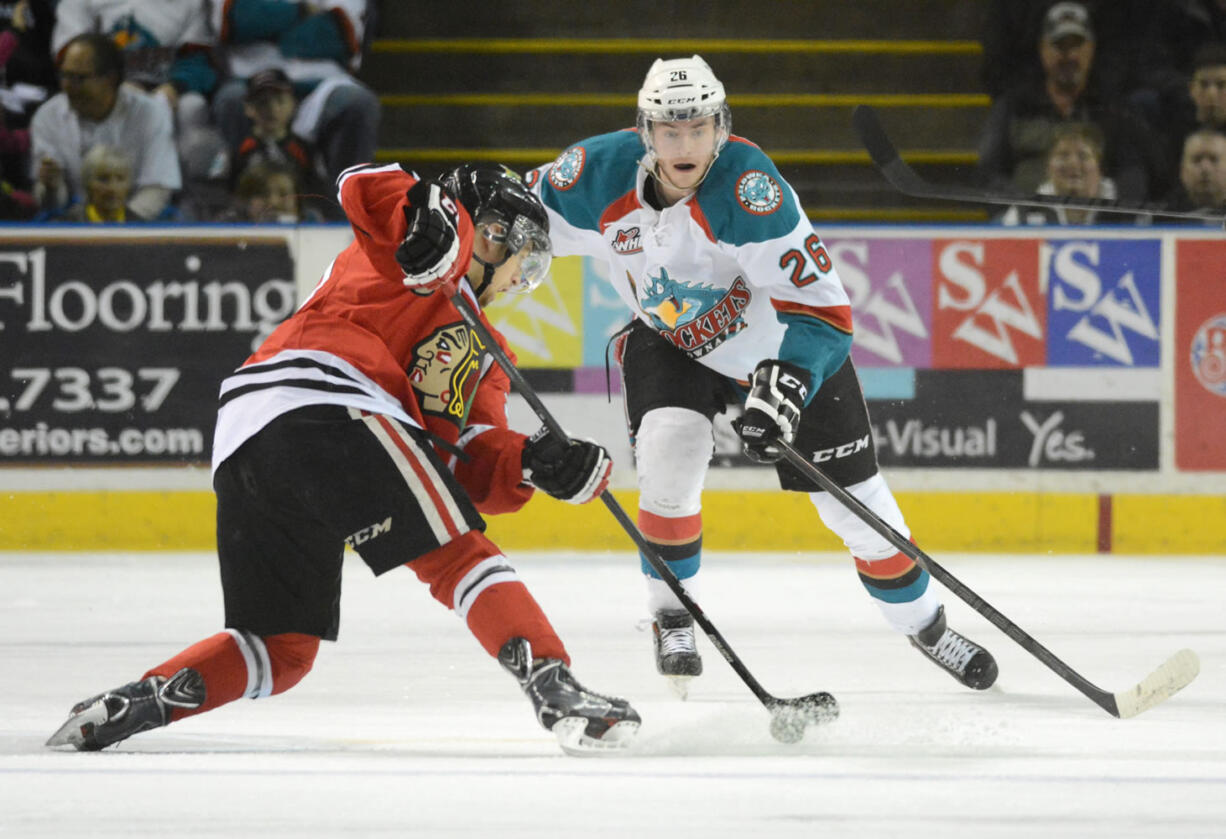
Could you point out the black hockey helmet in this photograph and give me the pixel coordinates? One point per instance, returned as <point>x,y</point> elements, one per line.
<point>504,211</point>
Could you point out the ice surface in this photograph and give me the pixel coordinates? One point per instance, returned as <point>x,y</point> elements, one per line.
<point>406,728</point>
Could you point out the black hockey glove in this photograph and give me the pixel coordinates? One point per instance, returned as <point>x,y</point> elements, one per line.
<point>431,245</point>
<point>575,471</point>
<point>777,394</point>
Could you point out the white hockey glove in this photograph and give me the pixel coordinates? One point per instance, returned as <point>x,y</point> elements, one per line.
<point>575,471</point>
<point>431,245</point>
<point>777,394</point>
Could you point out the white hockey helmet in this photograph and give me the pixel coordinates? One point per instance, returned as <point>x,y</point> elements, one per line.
<point>682,89</point>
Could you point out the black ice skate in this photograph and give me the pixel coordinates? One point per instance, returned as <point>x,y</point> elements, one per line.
<point>107,718</point>
<point>672,635</point>
<point>584,722</point>
<point>960,657</point>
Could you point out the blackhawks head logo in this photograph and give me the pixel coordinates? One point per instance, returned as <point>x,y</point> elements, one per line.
<point>446,366</point>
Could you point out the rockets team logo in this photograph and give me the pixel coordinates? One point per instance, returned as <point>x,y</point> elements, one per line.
<point>758,192</point>
<point>567,168</point>
<point>696,319</point>
<point>445,371</point>
<point>1208,356</point>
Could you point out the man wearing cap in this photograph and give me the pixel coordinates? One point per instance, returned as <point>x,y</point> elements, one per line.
<point>270,105</point>
<point>1012,27</point>
<point>318,45</point>
<point>1021,124</point>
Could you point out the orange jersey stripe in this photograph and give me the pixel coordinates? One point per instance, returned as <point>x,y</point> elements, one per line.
<point>837,316</point>
<point>620,208</point>
<point>885,569</point>
<point>700,219</point>
<point>670,531</point>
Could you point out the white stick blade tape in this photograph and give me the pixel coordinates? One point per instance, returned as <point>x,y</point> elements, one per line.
<point>1173,676</point>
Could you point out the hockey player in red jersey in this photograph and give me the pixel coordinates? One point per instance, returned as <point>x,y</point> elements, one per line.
<point>374,418</point>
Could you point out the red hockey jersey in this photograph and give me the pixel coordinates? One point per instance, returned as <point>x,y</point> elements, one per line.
<point>364,340</point>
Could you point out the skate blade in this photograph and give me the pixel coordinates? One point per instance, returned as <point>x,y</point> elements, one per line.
<point>680,686</point>
<point>72,734</point>
<point>572,737</point>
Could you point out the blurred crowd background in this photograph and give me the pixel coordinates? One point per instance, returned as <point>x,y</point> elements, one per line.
<point>126,111</point>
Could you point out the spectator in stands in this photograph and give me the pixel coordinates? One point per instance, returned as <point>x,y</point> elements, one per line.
<point>96,108</point>
<point>1021,124</point>
<point>1207,87</point>
<point>1202,174</point>
<point>1175,104</point>
<point>107,173</point>
<point>27,79</point>
<point>270,106</point>
<point>167,46</point>
<point>266,192</point>
<point>1074,170</point>
<point>168,51</point>
<point>1012,27</point>
<point>1205,99</point>
<point>317,45</point>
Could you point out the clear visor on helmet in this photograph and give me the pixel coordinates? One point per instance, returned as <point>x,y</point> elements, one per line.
<point>647,118</point>
<point>527,239</point>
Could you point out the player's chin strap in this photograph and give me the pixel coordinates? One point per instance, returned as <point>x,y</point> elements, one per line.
<point>487,271</point>
<point>487,275</point>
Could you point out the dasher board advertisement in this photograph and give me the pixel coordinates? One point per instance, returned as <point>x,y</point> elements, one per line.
<point>112,350</point>
<point>1200,357</point>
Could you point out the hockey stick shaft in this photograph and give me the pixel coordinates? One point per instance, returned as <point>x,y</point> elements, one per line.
<point>907,181</point>
<point>1173,675</point>
<point>648,551</point>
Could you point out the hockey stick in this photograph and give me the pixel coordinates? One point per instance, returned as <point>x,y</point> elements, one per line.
<point>788,716</point>
<point>1172,676</point>
<point>907,181</point>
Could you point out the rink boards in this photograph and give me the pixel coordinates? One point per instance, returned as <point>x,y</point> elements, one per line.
<point>1001,522</point>
<point>1030,390</point>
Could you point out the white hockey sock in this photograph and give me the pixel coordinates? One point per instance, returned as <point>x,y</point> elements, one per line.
<point>660,596</point>
<point>909,618</point>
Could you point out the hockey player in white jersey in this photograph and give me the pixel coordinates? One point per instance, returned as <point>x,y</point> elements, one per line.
<point>736,301</point>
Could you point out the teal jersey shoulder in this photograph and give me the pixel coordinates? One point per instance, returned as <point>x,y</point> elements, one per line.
<point>591,175</point>
<point>745,199</point>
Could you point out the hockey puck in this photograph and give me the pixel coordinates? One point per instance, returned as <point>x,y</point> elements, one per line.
<point>788,725</point>
<point>790,717</point>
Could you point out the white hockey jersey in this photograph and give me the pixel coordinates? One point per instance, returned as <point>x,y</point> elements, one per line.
<point>731,275</point>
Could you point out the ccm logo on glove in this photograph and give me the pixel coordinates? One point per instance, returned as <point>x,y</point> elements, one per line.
<point>777,395</point>
<point>431,245</point>
<point>575,471</point>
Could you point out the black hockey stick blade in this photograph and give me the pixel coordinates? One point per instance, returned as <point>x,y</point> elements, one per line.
<point>788,716</point>
<point>907,181</point>
<point>1172,675</point>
